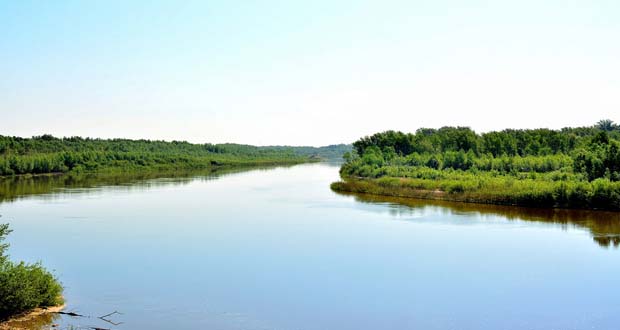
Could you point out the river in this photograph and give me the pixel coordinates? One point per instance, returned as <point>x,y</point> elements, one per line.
<point>275,248</point>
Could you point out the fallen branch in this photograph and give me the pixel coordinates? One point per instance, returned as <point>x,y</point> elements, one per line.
<point>71,314</point>
<point>104,318</point>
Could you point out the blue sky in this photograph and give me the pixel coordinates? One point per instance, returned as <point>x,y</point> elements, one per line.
<point>303,72</point>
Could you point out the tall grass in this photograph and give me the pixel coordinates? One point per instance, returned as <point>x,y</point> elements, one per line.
<point>525,189</point>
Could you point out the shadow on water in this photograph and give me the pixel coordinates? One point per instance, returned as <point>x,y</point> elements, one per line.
<point>48,186</point>
<point>604,226</point>
<point>38,322</point>
<point>52,186</point>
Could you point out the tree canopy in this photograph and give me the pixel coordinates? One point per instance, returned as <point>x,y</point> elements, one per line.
<point>48,154</point>
<point>571,167</point>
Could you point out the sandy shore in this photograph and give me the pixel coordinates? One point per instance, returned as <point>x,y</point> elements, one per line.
<point>39,318</point>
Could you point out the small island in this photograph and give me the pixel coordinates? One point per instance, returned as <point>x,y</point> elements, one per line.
<point>568,168</point>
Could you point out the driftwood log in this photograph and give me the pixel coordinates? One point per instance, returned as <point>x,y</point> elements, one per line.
<point>104,318</point>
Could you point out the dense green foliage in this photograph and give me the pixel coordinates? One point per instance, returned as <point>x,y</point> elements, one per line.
<point>24,286</point>
<point>572,167</point>
<point>331,152</point>
<point>47,154</point>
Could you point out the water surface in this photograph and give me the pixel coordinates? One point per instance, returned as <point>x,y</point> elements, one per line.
<point>277,249</point>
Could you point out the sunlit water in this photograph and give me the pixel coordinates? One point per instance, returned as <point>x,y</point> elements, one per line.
<point>277,249</point>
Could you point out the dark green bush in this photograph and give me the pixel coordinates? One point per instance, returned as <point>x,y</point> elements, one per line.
<point>24,286</point>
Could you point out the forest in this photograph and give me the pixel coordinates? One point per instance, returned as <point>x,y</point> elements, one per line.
<point>569,168</point>
<point>49,154</point>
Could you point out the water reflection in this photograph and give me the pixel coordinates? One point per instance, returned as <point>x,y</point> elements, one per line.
<point>37,322</point>
<point>49,186</point>
<point>277,249</point>
<point>604,226</point>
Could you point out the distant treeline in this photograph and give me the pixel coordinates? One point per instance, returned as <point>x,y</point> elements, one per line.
<point>49,154</point>
<point>333,152</point>
<point>571,167</point>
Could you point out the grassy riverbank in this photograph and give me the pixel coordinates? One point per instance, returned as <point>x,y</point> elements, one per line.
<point>48,154</point>
<point>570,168</point>
<point>600,194</point>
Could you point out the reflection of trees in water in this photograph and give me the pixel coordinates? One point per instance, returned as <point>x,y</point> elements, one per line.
<point>49,186</point>
<point>38,322</point>
<point>604,226</point>
<point>607,241</point>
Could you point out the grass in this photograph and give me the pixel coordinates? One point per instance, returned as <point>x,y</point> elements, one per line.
<point>492,188</point>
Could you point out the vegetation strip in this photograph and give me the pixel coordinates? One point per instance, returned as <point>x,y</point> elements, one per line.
<point>48,154</point>
<point>568,168</point>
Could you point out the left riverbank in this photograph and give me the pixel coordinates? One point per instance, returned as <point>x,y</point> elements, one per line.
<point>49,154</point>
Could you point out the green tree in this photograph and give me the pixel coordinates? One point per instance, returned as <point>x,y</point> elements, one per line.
<point>606,125</point>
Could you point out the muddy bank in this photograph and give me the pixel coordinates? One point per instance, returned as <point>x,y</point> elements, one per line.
<point>37,319</point>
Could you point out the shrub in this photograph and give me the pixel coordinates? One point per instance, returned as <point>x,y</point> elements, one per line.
<point>24,286</point>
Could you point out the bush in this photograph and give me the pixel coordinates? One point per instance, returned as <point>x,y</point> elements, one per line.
<point>24,286</point>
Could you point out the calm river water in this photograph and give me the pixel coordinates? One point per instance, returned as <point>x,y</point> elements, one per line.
<point>277,249</point>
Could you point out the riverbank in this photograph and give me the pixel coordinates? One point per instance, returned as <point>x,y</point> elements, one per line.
<point>600,194</point>
<point>48,154</point>
<point>170,168</point>
<point>575,168</point>
<point>38,318</point>
<point>154,165</point>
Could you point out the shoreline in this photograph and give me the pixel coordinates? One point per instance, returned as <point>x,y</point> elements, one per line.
<point>373,187</point>
<point>25,320</point>
<point>162,168</point>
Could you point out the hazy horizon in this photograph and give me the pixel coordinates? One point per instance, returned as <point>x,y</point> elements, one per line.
<point>311,74</point>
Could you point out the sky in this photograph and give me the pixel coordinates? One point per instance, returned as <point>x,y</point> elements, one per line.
<point>304,72</point>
